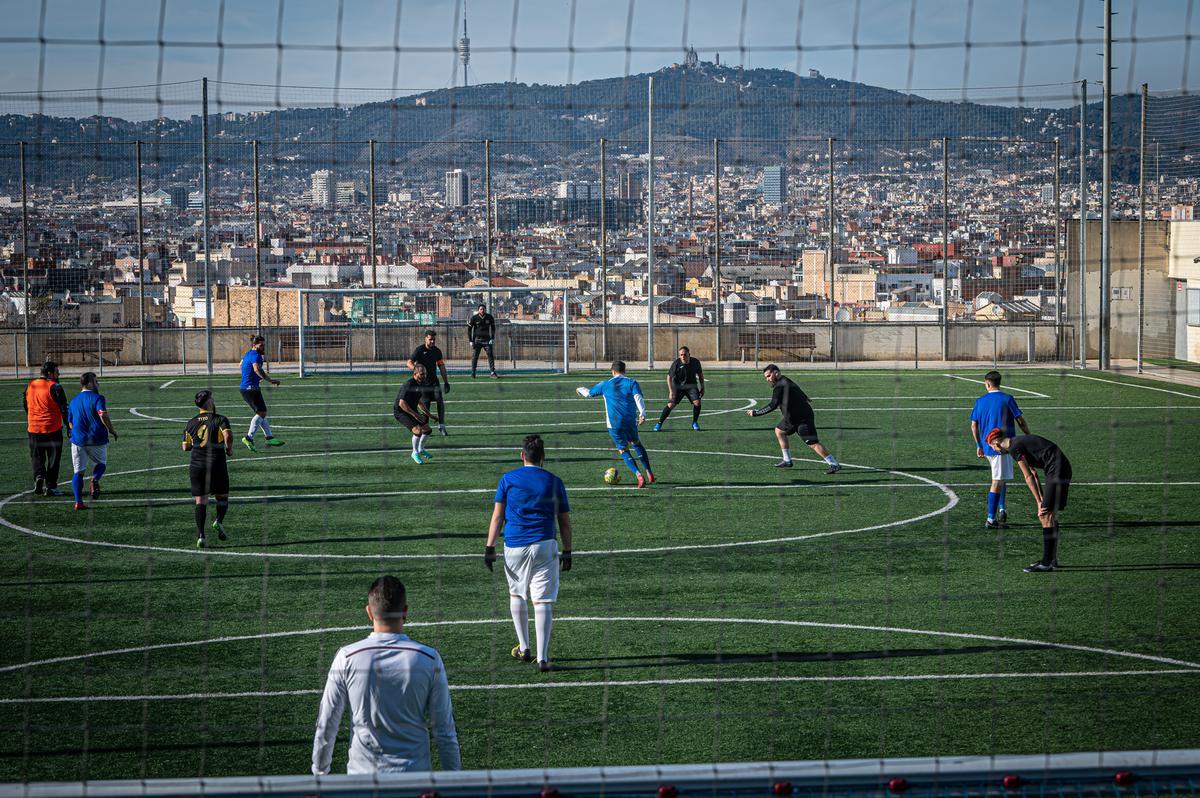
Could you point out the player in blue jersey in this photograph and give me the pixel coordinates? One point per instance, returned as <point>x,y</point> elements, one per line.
<point>254,371</point>
<point>529,502</point>
<point>90,428</point>
<point>996,410</point>
<point>624,409</point>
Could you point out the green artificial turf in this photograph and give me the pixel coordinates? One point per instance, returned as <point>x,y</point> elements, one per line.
<point>716,616</point>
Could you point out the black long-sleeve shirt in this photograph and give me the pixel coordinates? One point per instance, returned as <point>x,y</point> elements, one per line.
<point>788,397</point>
<point>481,329</point>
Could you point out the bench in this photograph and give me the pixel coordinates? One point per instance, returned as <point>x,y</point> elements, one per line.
<point>337,338</point>
<point>786,342</point>
<point>99,348</point>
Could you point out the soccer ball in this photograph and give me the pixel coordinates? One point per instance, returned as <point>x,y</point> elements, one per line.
<point>612,476</point>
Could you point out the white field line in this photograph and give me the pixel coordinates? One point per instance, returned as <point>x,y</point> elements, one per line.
<point>166,384</point>
<point>1005,387</point>
<point>626,683</point>
<point>951,502</point>
<point>1133,385</point>
<point>622,619</point>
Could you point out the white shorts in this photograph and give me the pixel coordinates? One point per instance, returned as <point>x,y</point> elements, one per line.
<point>1001,466</point>
<point>532,570</point>
<point>82,455</point>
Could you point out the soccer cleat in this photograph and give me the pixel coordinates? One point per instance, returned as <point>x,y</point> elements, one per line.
<point>784,464</point>
<point>1040,567</point>
<point>658,427</point>
<point>275,442</point>
<point>524,655</point>
<point>425,455</point>
<point>219,528</point>
<point>544,667</point>
<point>249,444</point>
<point>495,376</point>
<point>442,429</point>
<point>991,524</point>
<point>200,542</point>
<point>53,492</point>
<point>95,491</point>
<point>1002,517</point>
<point>80,506</point>
<point>416,458</point>
<point>833,469</point>
<point>39,486</point>
<point>641,481</point>
<point>650,480</point>
<point>472,375</point>
<point>696,426</point>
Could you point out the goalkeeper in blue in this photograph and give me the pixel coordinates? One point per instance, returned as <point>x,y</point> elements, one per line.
<point>624,409</point>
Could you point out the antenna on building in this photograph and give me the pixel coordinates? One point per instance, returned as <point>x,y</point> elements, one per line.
<point>464,47</point>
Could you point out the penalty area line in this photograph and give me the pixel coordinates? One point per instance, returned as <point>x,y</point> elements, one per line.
<point>1006,387</point>
<point>619,683</point>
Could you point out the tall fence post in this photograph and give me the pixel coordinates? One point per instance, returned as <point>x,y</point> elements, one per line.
<point>603,247</point>
<point>487,213</point>
<point>257,242</point>
<point>717,243</point>
<point>25,255</point>
<point>1141,311</point>
<point>372,248</point>
<point>141,255</point>
<point>566,331</point>
<point>1083,209</point>
<point>650,225</point>
<point>208,348</point>
<point>1106,198</point>
<point>945,247</point>
<point>300,332</point>
<point>829,259</point>
<point>1059,284</point>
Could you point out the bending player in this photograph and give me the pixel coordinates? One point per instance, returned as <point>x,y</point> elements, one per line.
<point>209,439</point>
<point>1034,452</point>
<point>996,409</point>
<point>685,380</point>
<point>624,409</point>
<point>430,356</point>
<point>411,410</point>
<point>254,371</point>
<point>797,419</point>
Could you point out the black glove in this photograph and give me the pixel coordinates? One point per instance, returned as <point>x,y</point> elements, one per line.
<point>445,387</point>
<point>489,556</point>
<point>564,560</point>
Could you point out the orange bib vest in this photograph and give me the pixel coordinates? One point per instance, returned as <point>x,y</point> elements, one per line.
<point>43,412</point>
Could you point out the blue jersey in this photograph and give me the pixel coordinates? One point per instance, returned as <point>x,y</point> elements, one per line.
<point>995,409</point>
<point>623,402</point>
<point>250,378</point>
<point>532,499</point>
<point>84,414</point>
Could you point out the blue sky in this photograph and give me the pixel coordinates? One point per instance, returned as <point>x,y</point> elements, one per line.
<point>903,44</point>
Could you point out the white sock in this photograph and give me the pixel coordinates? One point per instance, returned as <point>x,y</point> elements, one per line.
<point>253,426</point>
<point>831,459</point>
<point>263,425</point>
<point>787,455</point>
<point>421,442</point>
<point>416,443</point>
<point>520,616</point>
<point>542,621</point>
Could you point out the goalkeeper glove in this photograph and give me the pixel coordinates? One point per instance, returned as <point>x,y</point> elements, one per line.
<point>445,387</point>
<point>582,391</point>
<point>489,556</point>
<point>564,560</point>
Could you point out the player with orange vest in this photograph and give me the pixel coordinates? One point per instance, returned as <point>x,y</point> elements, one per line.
<point>45,412</point>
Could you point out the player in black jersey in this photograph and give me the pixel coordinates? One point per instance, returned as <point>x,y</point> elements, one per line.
<point>429,356</point>
<point>481,333</point>
<point>210,440</point>
<point>1032,452</point>
<point>412,410</point>
<point>685,380</point>
<point>797,419</point>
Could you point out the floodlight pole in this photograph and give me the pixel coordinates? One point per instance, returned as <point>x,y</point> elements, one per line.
<point>487,214</point>
<point>1141,331</point>
<point>371,249</point>
<point>141,255</point>
<point>1106,198</point>
<point>1059,283</point>
<point>945,247</point>
<point>603,250</point>
<point>829,259</point>
<point>650,226</point>
<point>1083,208</point>
<point>257,244</point>
<point>208,350</point>
<point>25,254</point>
<point>717,244</point>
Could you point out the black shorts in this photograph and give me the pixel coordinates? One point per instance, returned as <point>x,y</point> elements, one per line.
<point>254,398</point>
<point>681,392</point>
<point>432,393</point>
<point>209,478</point>
<point>1054,493</point>
<point>407,420</point>
<point>804,426</point>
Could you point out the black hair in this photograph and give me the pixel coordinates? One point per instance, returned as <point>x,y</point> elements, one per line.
<point>430,334</point>
<point>257,339</point>
<point>387,598</point>
<point>618,366</point>
<point>534,449</point>
<point>87,378</point>
<point>685,349</point>
<point>202,398</point>
<point>770,367</point>
<point>993,377</point>
<point>48,368</point>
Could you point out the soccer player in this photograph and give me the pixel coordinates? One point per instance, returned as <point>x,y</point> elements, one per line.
<point>624,410</point>
<point>210,440</point>
<point>685,380</point>
<point>996,409</point>
<point>529,501</point>
<point>797,419</point>
<point>395,687</point>
<point>254,371</point>
<point>481,332</point>
<point>428,355</point>
<point>90,427</point>
<point>45,405</point>
<point>411,410</point>
<point>1034,452</point>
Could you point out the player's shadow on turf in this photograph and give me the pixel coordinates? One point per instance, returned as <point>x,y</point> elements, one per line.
<point>373,539</point>
<point>707,658</point>
<point>1135,566</point>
